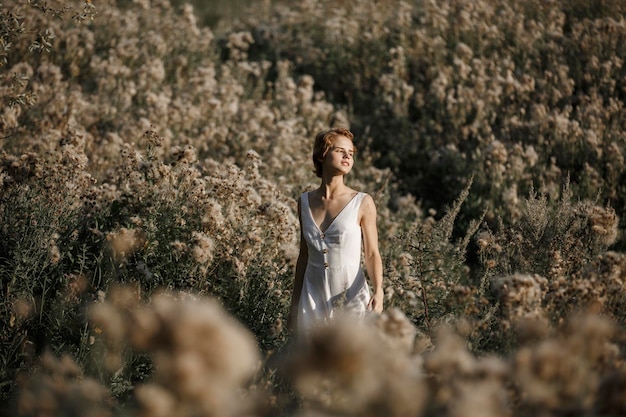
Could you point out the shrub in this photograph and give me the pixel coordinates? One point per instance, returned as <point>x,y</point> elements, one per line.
<point>140,149</point>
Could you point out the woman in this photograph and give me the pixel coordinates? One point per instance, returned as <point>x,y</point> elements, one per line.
<point>337,226</point>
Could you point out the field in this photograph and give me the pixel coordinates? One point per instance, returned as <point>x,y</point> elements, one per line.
<point>152,153</point>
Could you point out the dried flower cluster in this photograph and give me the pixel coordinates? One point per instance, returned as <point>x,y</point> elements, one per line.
<point>201,356</point>
<point>139,147</point>
<point>61,389</point>
<point>518,94</point>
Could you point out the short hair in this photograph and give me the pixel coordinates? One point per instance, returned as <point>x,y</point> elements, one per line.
<point>324,141</point>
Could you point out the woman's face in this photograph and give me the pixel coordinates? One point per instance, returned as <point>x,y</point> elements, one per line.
<point>340,157</point>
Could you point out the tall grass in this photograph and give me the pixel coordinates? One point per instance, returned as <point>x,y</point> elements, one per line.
<point>150,165</point>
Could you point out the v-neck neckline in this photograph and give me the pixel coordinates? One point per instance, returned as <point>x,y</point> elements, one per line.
<point>308,203</point>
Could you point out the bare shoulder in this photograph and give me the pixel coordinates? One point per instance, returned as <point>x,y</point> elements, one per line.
<point>368,206</point>
<point>368,200</point>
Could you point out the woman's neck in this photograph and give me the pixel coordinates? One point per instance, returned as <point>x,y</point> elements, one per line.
<point>332,186</point>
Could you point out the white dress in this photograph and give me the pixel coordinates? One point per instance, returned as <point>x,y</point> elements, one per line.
<point>333,279</point>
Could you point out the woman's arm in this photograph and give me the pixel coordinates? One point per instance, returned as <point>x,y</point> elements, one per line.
<point>373,260</point>
<point>303,257</point>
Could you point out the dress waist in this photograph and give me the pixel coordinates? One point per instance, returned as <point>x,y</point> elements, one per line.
<point>332,263</point>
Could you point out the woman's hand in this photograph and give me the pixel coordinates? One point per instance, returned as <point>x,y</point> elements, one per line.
<point>376,302</point>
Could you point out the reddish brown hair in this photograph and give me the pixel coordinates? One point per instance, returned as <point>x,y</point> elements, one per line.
<point>323,142</point>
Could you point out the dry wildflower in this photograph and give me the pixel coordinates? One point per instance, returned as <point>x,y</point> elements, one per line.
<point>4,178</point>
<point>106,317</point>
<point>529,330</point>
<point>145,328</point>
<point>345,367</point>
<point>22,309</point>
<point>60,389</point>
<point>453,67</point>
<point>590,336</point>
<point>458,376</point>
<point>511,199</point>
<point>562,373</point>
<point>464,52</point>
<point>520,296</point>
<point>450,356</point>
<point>227,347</point>
<point>54,253</point>
<point>207,355</point>
<point>155,401</point>
<point>405,259</point>
<point>252,164</point>
<point>484,239</point>
<point>604,290</point>
<point>404,14</point>
<point>480,399</point>
<point>240,40</point>
<point>124,242</point>
<point>201,355</point>
<point>76,287</point>
<point>277,327</point>
<point>202,251</point>
<point>125,297</point>
<point>490,264</point>
<point>305,91</point>
<point>184,155</point>
<point>397,330</point>
<point>603,222</point>
<point>531,155</point>
<point>178,248</point>
<point>557,266</point>
<point>153,139</point>
<point>497,152</point>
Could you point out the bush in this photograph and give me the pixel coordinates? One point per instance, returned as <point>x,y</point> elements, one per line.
<point>149,171</point>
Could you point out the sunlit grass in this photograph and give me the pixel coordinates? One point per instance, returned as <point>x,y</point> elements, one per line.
<point>151,155</point>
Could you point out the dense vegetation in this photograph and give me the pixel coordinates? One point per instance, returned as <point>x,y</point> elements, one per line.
<point>149,171</point>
